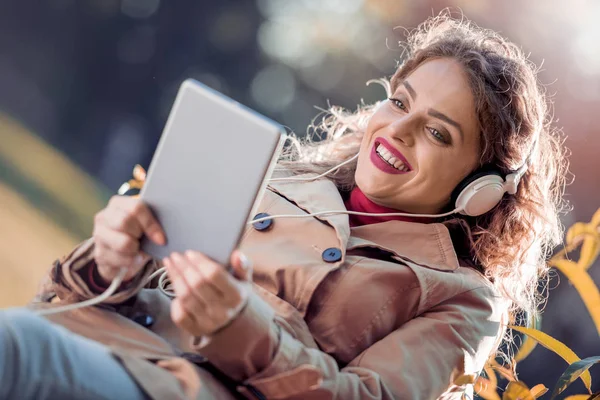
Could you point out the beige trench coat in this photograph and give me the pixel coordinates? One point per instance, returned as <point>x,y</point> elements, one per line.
<point>381,311</point>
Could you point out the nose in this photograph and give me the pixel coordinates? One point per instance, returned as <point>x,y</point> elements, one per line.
<point>404,130</point>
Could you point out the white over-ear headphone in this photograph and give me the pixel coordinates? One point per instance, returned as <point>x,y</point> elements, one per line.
<point>475,195</point>
<point>483,189</point>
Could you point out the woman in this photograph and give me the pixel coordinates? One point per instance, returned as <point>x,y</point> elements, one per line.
<point>346,307</point>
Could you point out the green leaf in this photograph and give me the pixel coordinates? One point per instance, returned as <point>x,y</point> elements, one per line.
<point>573,372</point>
<point>595,396</point>
<point>556,346</point>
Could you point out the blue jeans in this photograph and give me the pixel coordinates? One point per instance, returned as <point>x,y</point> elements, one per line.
<point>40,360</point>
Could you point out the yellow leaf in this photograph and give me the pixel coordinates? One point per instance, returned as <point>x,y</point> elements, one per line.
<point>517,391</point>
<point>538,390</point>
<point>464,379</point>
<point>491,375</point>
<point>507,373</point>
<point>529,344</point>
<point>556,346</point>
<point>584,285</point>
<point>588,236</point>
<point>589,252</point>
<point>579,230</point>
<point>596,218</point>
<point>485,389</point>
<point>139,173</point>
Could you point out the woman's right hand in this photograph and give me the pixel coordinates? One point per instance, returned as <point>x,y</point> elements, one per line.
<point>117,232</point>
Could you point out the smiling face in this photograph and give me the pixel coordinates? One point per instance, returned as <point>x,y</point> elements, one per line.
<point>422,142</point>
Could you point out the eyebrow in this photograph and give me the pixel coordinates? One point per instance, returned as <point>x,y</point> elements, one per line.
<point>435,113</point>
<point>410,89</point>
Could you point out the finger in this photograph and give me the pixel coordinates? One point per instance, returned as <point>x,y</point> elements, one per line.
<point>242,266</point>
<point>215,273</point>
<point>179,287</point>
<point>150,226</point>
<point>120,219</point>
<point>117,241</point>
<point>190,303</point>
<point>200,288</point>
<point>184,318</point>
<point>217,277</point>
<point>143,219</point>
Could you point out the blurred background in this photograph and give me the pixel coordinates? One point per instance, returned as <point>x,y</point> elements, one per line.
<point>86,87</point>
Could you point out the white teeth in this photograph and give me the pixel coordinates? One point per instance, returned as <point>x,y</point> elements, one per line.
<point>393,161</point>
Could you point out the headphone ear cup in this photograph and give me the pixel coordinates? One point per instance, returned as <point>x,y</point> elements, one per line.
<point>479,193</point>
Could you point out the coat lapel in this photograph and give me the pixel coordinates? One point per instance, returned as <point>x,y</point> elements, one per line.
<point>317,196</point>
<point>428,245</point>
<point>407,241</point>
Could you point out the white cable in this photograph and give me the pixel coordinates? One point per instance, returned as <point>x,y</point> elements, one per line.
<point>116,282</point>
<point>312,178</point>
<point>335,212</point>
<point>164,283</point>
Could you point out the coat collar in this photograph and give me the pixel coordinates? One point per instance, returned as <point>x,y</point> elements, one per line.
<point>427,245</point>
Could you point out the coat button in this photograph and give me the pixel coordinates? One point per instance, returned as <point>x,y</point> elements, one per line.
<point>262,225</point>
<point>144,320</point>
<point>332,254</point>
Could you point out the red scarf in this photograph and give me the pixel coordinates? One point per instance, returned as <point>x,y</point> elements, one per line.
<point>357,201</point>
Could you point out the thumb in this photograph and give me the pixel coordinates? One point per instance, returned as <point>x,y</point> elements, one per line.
<point>242,266</point>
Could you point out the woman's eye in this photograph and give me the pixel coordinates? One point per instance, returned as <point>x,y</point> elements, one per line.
<point>398,103</point>
<point>437,135</point>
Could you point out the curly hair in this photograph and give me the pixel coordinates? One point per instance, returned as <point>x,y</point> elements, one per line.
<point>509,244</point>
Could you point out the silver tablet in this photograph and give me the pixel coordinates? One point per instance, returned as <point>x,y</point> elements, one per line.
<point>208,172</point>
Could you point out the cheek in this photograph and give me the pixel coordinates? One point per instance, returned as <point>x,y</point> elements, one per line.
<point>362,170</point>
<point>364,153</point>
<point>441,176</point>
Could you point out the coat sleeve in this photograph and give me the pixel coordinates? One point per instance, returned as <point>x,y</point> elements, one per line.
<point>71,278</point>
<point>420,360</point>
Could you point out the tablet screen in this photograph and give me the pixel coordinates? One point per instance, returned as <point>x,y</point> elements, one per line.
<point>208,172</point>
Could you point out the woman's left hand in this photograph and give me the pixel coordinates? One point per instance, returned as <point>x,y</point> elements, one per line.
<point>207,296</point>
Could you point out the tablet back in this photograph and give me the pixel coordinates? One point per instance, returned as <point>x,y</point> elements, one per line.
<point>208,171</point>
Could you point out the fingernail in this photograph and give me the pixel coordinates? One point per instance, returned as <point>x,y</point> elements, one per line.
<point>159,238</point>
<point>139,259</point>
<point>245,261</point>
<point>190,254</point>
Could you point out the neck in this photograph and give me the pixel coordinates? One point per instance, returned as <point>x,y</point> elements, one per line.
<point>357,201</point>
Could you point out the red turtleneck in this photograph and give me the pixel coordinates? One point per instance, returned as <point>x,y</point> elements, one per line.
<point>357,201</point>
